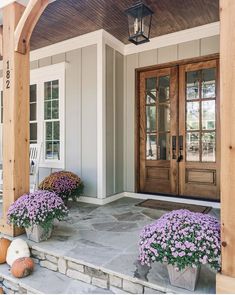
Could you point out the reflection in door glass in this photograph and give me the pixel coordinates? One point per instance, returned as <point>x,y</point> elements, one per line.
<point>208,147</point>
<point>164,88</point>
<point>151,84</point>
<point>208,115</point>
<point>151,147</point>
<point>192,89</point>
<point>164,117</point>
<point>151,118</point>
<point>151,97</point>
<point>192,146</point>
<point>192,115</point>
<point>208,83</point>
<point>163,148</point>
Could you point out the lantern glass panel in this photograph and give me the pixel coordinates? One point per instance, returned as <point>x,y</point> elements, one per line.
<point>139,19</point>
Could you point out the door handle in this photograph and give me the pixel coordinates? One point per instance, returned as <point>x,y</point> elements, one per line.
<point>173,147</point>
<point>181,148</point>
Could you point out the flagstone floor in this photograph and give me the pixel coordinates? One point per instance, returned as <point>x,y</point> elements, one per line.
<point>107,236</point>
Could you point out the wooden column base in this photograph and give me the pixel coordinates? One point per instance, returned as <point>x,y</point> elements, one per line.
<point>225,284</point>
<point>10,230</point>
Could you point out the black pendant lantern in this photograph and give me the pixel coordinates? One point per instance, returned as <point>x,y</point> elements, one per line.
<point>139,19</point>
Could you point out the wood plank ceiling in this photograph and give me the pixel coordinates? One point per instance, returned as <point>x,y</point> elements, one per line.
<point>66,19</point>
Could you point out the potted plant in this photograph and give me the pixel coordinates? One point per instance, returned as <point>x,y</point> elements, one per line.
<point>66,184</point>
<point>184,241</point>
<point>36,213</point>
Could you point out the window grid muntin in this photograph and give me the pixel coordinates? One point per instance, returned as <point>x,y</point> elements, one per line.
<point>157,105</point>
<point>201,99</point>
<point>53,142</point>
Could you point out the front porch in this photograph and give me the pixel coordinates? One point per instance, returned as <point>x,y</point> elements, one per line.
<point>83,108</point>
<point>99,245</point>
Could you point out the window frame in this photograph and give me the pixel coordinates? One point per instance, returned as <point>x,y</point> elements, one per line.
<point>39,77</point>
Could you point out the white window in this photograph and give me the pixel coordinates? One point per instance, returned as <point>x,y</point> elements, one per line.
<point>52,120</point>
<point>46,113</point>
<point>33,114</point>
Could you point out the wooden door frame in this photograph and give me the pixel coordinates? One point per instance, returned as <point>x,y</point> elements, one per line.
<point>137,103</point>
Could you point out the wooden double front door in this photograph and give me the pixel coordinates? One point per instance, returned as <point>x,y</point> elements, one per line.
<point>178,130</point>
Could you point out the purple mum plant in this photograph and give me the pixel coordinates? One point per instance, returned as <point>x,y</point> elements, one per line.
<point>38,208</point>
<point>183,239</point>
<point>66,184</point>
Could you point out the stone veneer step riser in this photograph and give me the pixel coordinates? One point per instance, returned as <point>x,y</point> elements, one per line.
<point>91,275</point>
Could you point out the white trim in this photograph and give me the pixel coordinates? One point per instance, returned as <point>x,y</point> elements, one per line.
<point>113,198</point>
<point>38,77</point>
<point>195,33</point>
<point>101,120</point>
<point>101,202</point>
<point>113,42</point>
<point>67,45</point>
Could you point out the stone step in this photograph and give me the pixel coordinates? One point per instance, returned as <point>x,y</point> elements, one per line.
<point>92,274</point>
<point>45,281</point>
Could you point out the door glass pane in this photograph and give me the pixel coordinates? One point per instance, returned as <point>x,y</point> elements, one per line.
<point>164,118</point>
<point>56,130</point>
<point>47,110</point>
<point>55,89</point>
<point>33,112</point>
<point>151,118</point>
<point>47,90</point>
<point>208,147</point>
<point>151,147</point>
<point>33,132</point>
<point>163,148</point>
<point>33,93</point>
<point>208,115</point>
<point>192,88</point>
<point>56,150</point>
<point>192,116</point>
<point>192,146</point>
<point>151,84</point>
<point>151,97</point>
<point>49,150</point>
<point>48,130</point>
<point>208,83</point>
<point>55,109</point>
<point>164,88</point>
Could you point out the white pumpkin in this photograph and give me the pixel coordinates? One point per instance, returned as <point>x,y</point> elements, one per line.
<point>18,249</point>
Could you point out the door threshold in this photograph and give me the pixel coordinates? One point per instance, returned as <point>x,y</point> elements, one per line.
<point>175,199</point>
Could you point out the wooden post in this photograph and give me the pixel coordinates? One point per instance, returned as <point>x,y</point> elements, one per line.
<point>18,25</point>
<point>226,280</point>
<point>16,115</point>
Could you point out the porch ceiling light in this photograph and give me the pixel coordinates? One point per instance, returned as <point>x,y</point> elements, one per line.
<point>139,20</point>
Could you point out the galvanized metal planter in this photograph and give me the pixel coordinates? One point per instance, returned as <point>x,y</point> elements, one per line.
<point>186,279</point>
<point>37,233</point>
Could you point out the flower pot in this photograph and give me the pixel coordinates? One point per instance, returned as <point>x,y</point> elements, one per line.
<point>37,233</point>
<point>186,278</point>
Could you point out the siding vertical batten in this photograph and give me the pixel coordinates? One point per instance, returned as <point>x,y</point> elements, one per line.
<point>101,120</point>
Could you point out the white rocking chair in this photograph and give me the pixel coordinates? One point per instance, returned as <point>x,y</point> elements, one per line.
<point>34,157</point>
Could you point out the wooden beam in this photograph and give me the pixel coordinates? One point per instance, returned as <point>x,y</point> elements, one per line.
<point>225,285</point>
<point>227,111</point>
<point>1,40</point>
<point>16,116</point>
<point>27,23</point>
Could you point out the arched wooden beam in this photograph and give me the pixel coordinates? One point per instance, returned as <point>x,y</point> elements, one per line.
<point>1,38</point>
<point>26,25</point>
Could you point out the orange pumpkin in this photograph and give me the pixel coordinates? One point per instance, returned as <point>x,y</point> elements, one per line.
<point>22,267</point>
<point>4,245</point>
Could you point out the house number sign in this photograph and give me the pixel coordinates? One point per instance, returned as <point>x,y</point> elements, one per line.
<point>8,76</point>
